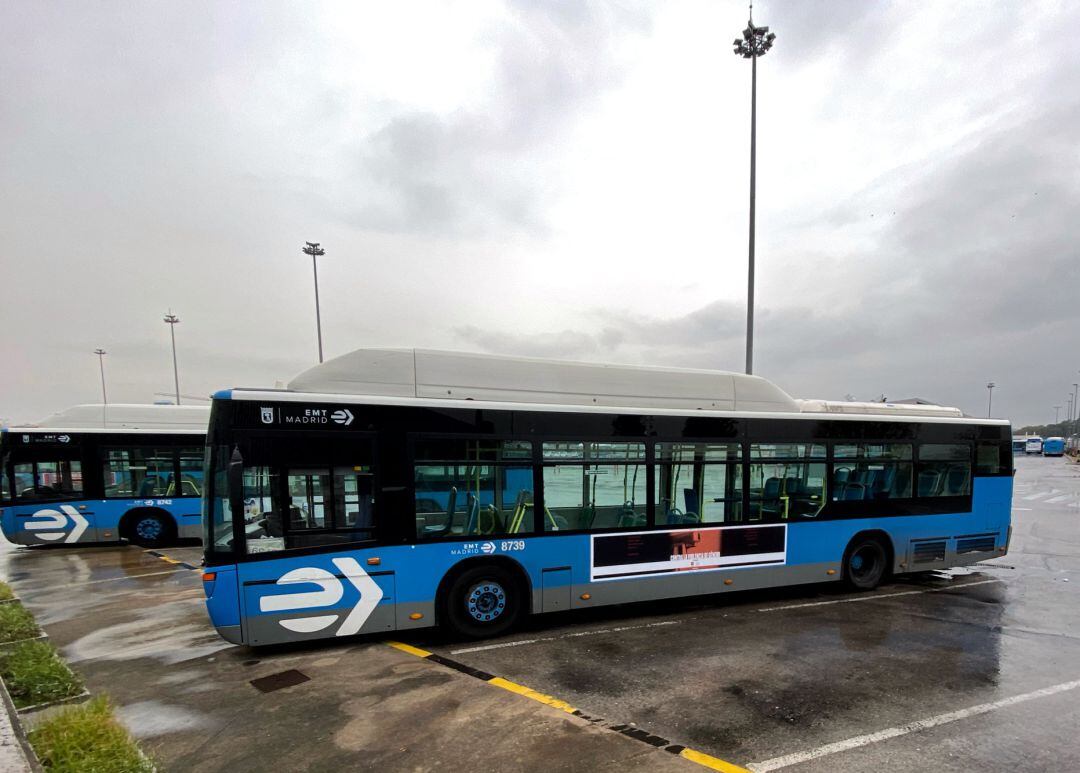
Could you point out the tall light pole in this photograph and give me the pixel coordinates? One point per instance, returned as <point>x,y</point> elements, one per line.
<point>755,42</point>
<point>314,250</point>
<point>1057,413</point>
<point>1074,405</point>
<point>101,363</point>
<point>172,321</point>
<point>990,401</point>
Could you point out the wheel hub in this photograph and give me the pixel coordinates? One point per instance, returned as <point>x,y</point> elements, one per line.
<point>486,601</point>
<point>148,528</point>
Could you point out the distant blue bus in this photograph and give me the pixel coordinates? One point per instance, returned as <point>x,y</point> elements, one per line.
<point>137,478</point>
<point>1053,446</point>
<point>328,515</point>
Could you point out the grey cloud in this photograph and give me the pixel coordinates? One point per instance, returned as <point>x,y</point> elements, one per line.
<point>480,167</point>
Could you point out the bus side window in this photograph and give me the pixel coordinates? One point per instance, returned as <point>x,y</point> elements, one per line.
<point>871,471</point>
<point>944,470</point>
<point>468,487</point>
<point>594,485</point>
<point>48,480</point>
<point>988,459</point>
<point>191,472</point>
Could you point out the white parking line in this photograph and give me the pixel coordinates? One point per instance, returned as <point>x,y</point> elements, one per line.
<point>574,635</point>
<point>1055,500</point>
<point>1040,495</point>
<point>873,596</point>
<point>776,763</point>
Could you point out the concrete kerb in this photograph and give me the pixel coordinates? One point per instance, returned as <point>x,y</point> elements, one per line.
<point>4,646</point>
<point>16,755</point>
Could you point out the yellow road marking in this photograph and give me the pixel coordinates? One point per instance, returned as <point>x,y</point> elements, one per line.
<point>528,692</point>
<point>409,648</point>
<point>699,758</point>
<point>710,762</point>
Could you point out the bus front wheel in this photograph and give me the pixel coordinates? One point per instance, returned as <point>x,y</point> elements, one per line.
<point>482,601</point>
<point>865,563</point>
<point>149,529</point>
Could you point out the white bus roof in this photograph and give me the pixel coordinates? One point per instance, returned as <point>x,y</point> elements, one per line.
<point>121,417</point>
<point>462,376</point>
<point>450,376</point>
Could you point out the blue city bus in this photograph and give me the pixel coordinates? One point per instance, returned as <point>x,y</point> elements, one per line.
<point>399,489</point>
<point>98,473</point>
<point>1053,446</point>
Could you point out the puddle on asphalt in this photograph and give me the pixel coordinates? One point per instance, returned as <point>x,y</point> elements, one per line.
<point>173,632</point>
<point>147,719</point>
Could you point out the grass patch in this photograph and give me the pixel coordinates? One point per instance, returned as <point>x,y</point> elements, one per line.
<point>5,592</point>
<point>87,738</point>
<point>34,674</point>
<point>16,623</point>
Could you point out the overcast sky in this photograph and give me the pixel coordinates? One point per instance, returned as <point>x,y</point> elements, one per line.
<point>563,179</point>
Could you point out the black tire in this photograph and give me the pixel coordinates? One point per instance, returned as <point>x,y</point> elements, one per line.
<point>481,602</point>
<point>866,563</point>
<point>151,530</point>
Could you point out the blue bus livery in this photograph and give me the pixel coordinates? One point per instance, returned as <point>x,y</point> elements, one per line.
<point>1053,446</point>
<point>397,489</point>
<point>98,473</point>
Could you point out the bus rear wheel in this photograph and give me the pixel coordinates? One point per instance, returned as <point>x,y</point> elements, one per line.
<point>865,563</point>
<point>482,601</point>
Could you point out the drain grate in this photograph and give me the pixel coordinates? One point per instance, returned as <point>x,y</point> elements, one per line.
<point>279,681</point>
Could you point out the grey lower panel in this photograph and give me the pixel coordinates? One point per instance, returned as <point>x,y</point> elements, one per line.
<point>230,633</point>
<point>274,629</point>
<point>426,610</point>
<point>700,583</point>
<point>189,531</point>
<point>923,555</point>
<point>31,537</point>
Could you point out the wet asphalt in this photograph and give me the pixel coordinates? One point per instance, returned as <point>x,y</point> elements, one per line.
<point>975,669</point>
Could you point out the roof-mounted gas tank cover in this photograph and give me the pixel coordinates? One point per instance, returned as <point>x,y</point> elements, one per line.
<point>425,373</point>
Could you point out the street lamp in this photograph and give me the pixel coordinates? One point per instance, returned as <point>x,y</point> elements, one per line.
<point>1057,413</point>
<point>172,321</point>
<point>314,250</point>
<point>990,388</point>
<point>1074,405</point>
<point>101,363</point>
<point>755,42</point>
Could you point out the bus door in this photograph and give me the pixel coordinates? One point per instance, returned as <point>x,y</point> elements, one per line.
<point>306,494</point>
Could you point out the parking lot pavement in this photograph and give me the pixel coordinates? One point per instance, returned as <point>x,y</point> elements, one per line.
<point>975,670</point>
<point>134,625</point>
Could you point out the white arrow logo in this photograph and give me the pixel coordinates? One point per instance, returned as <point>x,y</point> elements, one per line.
<point>488,547</point>
<point>331,592</point>
<point>54,519</point>
<point>370,593</point>
<point>344,416</point>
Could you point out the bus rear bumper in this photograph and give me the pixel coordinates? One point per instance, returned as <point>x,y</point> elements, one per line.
<point>230,633</point>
